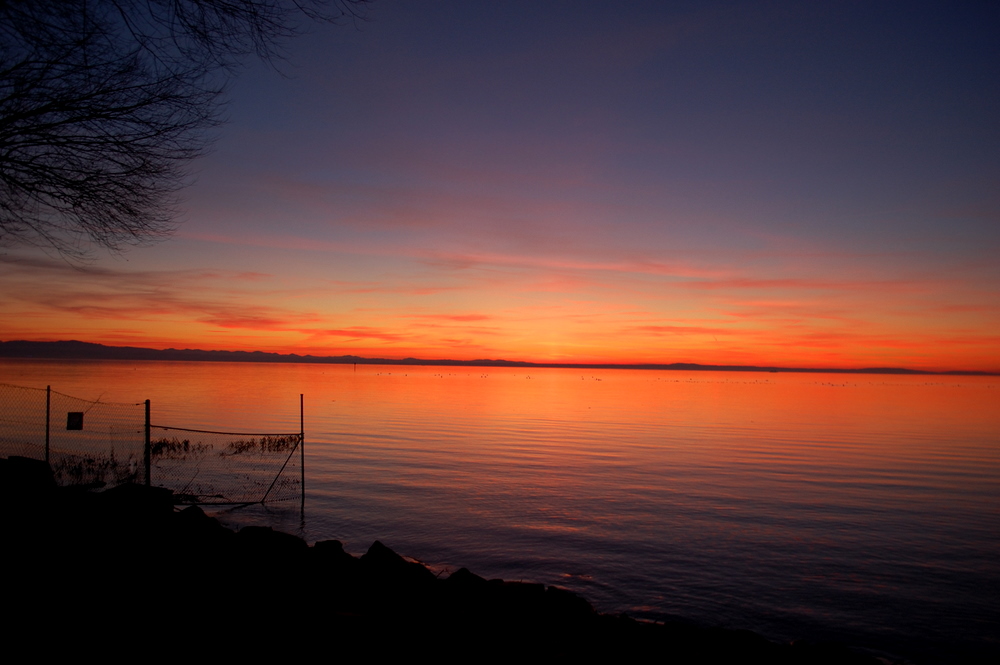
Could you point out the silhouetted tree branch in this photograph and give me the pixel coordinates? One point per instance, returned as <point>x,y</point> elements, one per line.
<point>103,103</point>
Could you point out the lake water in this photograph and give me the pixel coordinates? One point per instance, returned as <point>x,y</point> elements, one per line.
<point>861,508</point>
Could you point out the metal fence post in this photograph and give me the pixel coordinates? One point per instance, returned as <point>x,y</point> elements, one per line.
<point>147,457</point>
<point>48,409</point>
<point>302,450</point>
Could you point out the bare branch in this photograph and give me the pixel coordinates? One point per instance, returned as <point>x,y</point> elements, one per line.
<point>104,103</point>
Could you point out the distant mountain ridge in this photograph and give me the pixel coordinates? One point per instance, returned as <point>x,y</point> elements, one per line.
<point>76,350</point>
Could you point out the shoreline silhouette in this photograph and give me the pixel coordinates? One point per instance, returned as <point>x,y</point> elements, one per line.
<point>76,350</point>
<point>127,558</point>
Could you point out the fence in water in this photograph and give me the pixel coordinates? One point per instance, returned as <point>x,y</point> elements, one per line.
<point>226,467</point>
<point>95,444</point>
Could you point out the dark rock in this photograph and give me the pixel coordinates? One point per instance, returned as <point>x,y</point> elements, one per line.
<point>381,561</point>
<point>266,542</point>
<point>468,597</point>
<point>523,596</point>
<point>23,478</point>
<point>331,548</point>
<point>330,558</point>
<point>380,556</point>
<point>192,524</point>
<point>741,644</point>
<point>567,605</point>
<point>465,579</point>
<point>827,653</point>
<point>139,501</point>
<point>194,517</point>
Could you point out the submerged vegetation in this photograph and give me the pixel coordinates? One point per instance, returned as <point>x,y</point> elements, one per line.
<point>264,444</point>
<point>95,470</point>
<point>176,449</point>
<point>180,449</point>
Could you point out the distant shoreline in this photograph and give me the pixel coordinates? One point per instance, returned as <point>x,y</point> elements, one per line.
<point>76,350</point>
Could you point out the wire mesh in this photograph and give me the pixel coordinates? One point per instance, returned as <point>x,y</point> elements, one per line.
<point>97,444</point>
<point>22,421</point>
<point>109,447</point>
<point>90,442</point>
<point>225,467</point>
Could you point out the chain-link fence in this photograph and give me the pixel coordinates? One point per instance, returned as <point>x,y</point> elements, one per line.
<point>23,427</point>
<point>97,444</point>
<point>226,467</point>
<point>86,442</point>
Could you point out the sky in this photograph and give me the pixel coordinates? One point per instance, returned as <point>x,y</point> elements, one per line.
<point>768,183</point>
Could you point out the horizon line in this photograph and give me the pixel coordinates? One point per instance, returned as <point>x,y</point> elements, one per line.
<point>78,350</point>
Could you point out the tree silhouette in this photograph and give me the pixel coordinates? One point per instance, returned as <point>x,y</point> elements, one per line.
<point>104,103</point>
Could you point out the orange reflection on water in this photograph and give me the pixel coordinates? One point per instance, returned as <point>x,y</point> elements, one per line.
<point>787,488</point>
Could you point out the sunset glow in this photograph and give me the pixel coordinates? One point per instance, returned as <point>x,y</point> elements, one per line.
<point>765,184</point>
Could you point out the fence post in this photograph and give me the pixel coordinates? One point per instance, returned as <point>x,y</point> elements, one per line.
<point>146,456</point>
<point>48,409</point>
<point>302,450</point>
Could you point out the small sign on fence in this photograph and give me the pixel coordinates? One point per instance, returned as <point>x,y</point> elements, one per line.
<point>74,420</point>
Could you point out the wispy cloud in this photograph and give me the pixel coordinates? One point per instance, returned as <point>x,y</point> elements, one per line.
<point>463,318</point>
<point>357,333</point>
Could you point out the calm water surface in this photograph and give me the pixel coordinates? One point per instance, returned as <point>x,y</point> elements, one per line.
<point>858,508</point>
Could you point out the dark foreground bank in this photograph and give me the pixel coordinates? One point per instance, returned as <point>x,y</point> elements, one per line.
<point>123,573</point>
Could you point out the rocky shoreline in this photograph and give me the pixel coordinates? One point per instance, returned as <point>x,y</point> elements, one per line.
<point>126,565</point>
